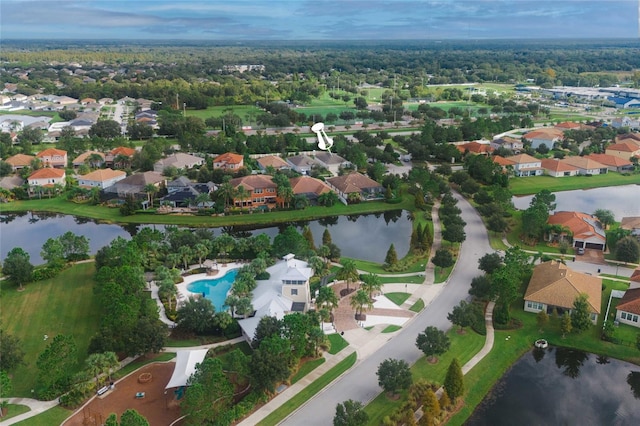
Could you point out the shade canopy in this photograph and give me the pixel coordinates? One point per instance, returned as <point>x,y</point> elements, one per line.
<point>186,362</point>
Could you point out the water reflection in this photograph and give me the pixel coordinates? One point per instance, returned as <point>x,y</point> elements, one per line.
<point>560,386</point>
<point>366,237</point>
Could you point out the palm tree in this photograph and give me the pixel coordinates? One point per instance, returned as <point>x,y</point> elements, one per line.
<point>201,251</point>
<point>232,301</point>
<point>354,198</point>
<point>167,290</point>
<point>244,306</point>
<point>327,298</point>
<point>151,190</point>
<point>242,193</point>
<point>121,161</point>
<point>225,192</point>
<point>285,193</point>
<point>185,253</point>
<point>95,160</point>
<point>202,199</point>
<point>318,265</point>
<point>371,283</point>
<point>173,259</point>
<point>359,301</point>
<point>348,273</point>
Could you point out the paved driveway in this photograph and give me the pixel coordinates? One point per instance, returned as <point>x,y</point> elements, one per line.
<point>360,383</point>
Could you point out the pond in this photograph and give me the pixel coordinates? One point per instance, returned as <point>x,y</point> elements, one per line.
<point>366,237</point>
<point>621,200</point>
<point>560,386</point>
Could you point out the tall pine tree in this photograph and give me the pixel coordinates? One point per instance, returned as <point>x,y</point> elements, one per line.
<point>392,257</point>
<point>454,381</point>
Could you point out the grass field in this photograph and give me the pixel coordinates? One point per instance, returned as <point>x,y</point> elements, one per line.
<point>391,328</point>
<point>534,184</point>
<point>307,368</point>
<point>337,343</point>
<point>63,305</point>
<point>418,306</point>
<point>397,298</point>
<point>247,113</point>
<point>413,279</point>
<point>15,410</point>
<point>303,396</point>
<point>53,416</point>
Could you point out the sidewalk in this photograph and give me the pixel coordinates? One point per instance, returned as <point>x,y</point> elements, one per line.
<point>35,407</point>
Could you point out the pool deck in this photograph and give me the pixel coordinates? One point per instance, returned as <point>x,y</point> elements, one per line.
<point>183,292</point>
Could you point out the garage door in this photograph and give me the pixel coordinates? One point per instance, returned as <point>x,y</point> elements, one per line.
<point>594,246</point>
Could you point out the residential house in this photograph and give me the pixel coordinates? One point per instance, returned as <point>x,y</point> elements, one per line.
<point>20,161</point>
<point>277,163</point>
<point>310,187</point>
<point>134,185</point>
<point>228,161</point>
<point>119,157</point>
<point>476,148</point>
<point>10,182</point>
<point>622,122</point>
<point>261,191</point>
<point>83,159</point>
<point>547,136</point>
<point>47,177</point>
<point>553,285</point>
<point>52,157</point>
<point>634,280</point>
<point>332,162</point>
<point>585,229</point>
<point>182,192</point>
<point>286,291</point>
<point>628,308</point>
<point>631,223</point>
<point>556,168</point>
<point>179,160</point>
<point>505,163</point>
<point>355,183</point>
<point>526,165</point>
<point>101,178</point>
<point>585,165</point>
<point>301,163</point>
<point>568,125</point>
<point>613,163</point>
<point>624,150</point>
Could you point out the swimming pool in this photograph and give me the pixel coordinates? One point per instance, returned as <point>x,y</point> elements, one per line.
<point>215,289</point>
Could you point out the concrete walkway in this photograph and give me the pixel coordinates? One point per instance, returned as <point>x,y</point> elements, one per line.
<point>35,407</point>
<point>488,342</point>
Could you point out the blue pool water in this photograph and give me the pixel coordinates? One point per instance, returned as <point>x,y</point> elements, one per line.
<point>215,289</point>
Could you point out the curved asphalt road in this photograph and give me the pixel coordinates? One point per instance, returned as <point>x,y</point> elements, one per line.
<point>361,383</point>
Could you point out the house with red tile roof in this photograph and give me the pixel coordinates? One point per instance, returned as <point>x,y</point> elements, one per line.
<point>47,177</point>
<point>475,147</point>
<point>526,165</point>
<point>613,163</point>
<point>624,150</point>
<point>634,280</point>
<point>272,161</point>
<point>553,285</point>
<point>83,158</point>
<point>507,142</point>
<point>228,161</point>
<point>364,186</point>
<point>585,165</point>
<point>261,189</point>
<point>547,136</point>
<point>20,161</point>
<point>101,178</point>
<point>556,168</point>
<point>52,157</point>
<point>585,229</point>
<point>504,162</point>
<point>310,187</point>
<point>120,153</point>
<point>568,125</point>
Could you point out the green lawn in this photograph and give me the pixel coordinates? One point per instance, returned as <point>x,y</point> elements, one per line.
<point>217,111</point>
<point>391,328</point>
<point>112,215</point>
<point>63,305</point>
<point>397,298</point>
<point>441,274</point>
<point>307,368</point>
<point>337,343</point>
<point>15,410</point>
<point>53,416</point>
<point>307,393</point>
<point>534,184</point>
<point>418,306</point>
<point>463,347</point>
<point>413,279</point>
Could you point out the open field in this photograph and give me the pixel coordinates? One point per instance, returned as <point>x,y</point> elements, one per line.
<point>50,307</point>
<point>53,416</point>
<point>218,111</point>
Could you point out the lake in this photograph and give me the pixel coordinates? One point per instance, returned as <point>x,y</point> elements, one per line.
<point>366,237</point>
<point>560,386</point>
<point>621,200</point>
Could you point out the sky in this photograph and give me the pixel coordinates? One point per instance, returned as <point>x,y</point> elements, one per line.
<point>317,19</point>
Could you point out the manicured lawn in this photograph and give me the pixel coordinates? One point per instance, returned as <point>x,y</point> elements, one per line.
<point>337,343</point>
<point>288,407</point>
<point>413,279</point>
<point>418,306</point>
<point>62,305</point>
<point>217,111</point>
<point>441,274</point>
<point>463,347</point>
<point>307,368</point>
<point>60,205</point>
<point>534,184</point>
<point>15,410</point>
<point>391,328</point>
<point>397,298</point>
<point>376,268</point>
<point>53,416</point>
